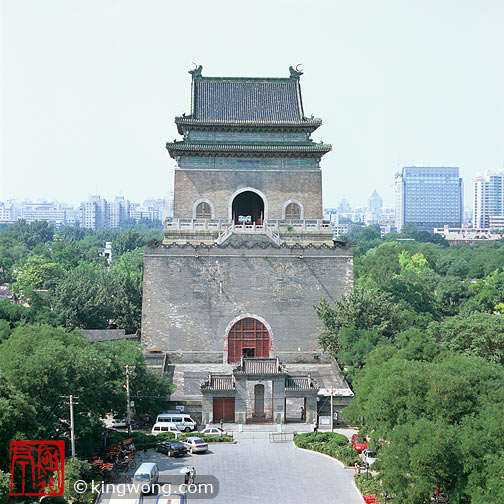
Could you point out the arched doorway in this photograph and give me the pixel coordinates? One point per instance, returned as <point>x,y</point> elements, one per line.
<point>248,337</point>
<point>258,401</point>
<point>248,207</point>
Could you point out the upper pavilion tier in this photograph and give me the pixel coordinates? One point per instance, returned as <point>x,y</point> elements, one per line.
<point>272,106</point>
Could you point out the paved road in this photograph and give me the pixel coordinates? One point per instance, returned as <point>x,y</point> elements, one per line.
<point>256,471</point>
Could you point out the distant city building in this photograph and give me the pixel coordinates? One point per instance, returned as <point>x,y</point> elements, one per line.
<point>468,216</point>
<point>138,212</point>
<point>94,213</point>
<point>46,211</point>
<point>341,229</point>
<point>375,202</point>
<point>8,213</point>
<point>488,198</point>
<point>344,206</point>
<point>57,214</point>
<point>496,222</point>
<point>467,235</point>
<point>429,197</point>
<point>119,211</point>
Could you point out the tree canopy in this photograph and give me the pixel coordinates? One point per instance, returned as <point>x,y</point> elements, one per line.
<point>421,341</point>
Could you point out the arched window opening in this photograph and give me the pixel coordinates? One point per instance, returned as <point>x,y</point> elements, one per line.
<point>248,337</point>
<point>203,211</point>
<point>292,211</point>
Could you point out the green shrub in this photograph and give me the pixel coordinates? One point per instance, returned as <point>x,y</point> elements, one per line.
<point>145,441</point>
<point>141,440</point>
<point>369,484</point>
<point>331,443</point>
<point>165,436</point>
<point>208,438</point>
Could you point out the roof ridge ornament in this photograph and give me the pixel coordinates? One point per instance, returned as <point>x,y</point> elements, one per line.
<point>295,73</point>
<point>196,71</point>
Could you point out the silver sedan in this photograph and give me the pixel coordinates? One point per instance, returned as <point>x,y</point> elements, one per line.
<point>195,444</point>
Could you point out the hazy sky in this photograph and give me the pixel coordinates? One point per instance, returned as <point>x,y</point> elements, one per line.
<point>90,88</point>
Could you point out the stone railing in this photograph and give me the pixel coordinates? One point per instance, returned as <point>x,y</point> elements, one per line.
<point>223,226</point>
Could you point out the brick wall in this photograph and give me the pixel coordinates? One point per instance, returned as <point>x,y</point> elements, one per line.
<point>191,294</point>
<point>218,186</point>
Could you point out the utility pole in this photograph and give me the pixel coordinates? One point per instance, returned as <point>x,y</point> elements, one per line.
<point>332,410</point>
<point>72,426</point>
<point>128,407</point>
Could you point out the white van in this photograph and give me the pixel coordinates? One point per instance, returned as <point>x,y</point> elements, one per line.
<point>157,428</point>
<point>183,422</point>
<point>147,474</point>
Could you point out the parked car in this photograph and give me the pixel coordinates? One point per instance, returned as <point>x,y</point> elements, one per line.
<point>118,422</point>
<point>213,431</point>
<point>157,428</point>
<point>359,442</point>
<point>368,456</point>
<point>194,444</point>
<point>172,448</point>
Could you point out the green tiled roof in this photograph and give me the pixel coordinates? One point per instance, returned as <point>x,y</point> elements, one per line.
<point>256,149</point>
<point>306,124</point>
<point>246,98</point>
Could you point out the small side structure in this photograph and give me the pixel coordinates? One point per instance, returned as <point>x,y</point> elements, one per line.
<point>256,391</point>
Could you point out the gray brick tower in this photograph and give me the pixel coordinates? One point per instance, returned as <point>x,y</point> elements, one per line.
<point>246,256</point>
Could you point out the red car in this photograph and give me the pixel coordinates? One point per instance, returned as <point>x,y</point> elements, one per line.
<point>359,442</point>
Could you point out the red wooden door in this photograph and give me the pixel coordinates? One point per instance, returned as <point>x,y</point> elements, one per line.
<point>223,408</point>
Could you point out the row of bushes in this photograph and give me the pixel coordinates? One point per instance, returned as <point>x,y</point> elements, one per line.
<point>209,438</point>
<point>330,443</point>
<point>141,440</point>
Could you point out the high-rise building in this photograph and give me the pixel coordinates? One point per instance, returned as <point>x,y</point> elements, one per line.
<point>119,210</point>
<point>488,198</point>
<point>94,213</point>
<point>8,212</point>
<point>375,202</point>
<point>429,197</point>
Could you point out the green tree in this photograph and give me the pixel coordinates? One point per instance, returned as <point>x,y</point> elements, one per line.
<point>17,418</point>
<point>479,334</point>
<point>420,457</point>
<point>126,301</point>
<point>363,309</point>
<point>66,252</point>
<point>428,419</point>
<point>451,293</point>
<point>46,363</point>
<point>356,344</point>
<point>34,233</point>
<point>488,293</point>
<point>381,264</point>
<point>415,344</point>
<point>4,487</point>
<point>82,297</point>
<point>38,273</point>
<point>127,241</point>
